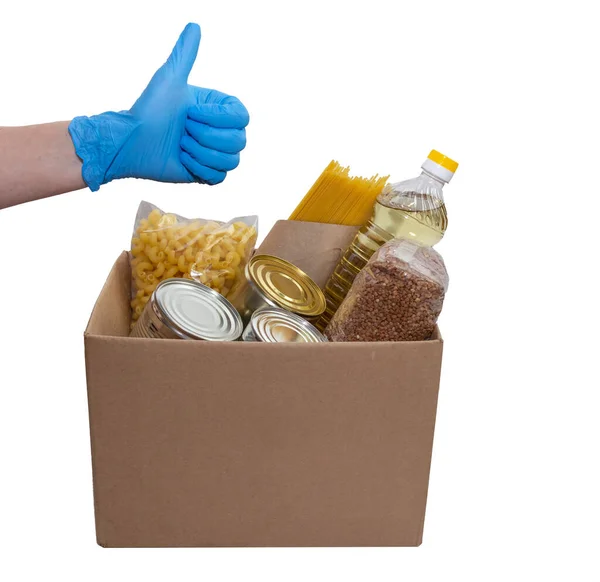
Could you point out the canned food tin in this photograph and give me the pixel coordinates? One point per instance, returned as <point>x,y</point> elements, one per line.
<point>272,324</point>
<point>274,282</point>
<point>185,309</point>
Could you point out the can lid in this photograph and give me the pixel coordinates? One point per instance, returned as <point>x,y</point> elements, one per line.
<point>272,324</point>
<point>195,311</point>
<point>286,285</point>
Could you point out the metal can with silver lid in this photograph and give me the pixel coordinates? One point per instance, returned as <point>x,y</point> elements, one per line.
<point>185,309</point>
<point>273,282</point>
<point>276,325</point>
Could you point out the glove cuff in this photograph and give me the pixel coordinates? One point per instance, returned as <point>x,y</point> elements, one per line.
<point>98,140</point>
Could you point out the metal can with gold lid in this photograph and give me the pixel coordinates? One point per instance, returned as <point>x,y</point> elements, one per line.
<point>184,309</point>
<point>276,325</point>
<point>274,282</point>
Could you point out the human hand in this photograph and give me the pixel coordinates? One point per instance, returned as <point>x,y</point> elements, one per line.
<point>174,132</point>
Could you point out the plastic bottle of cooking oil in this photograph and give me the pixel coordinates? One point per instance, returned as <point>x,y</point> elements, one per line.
<point>413,209</point>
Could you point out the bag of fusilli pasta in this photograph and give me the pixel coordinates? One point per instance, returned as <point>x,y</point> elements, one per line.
<point>168,245</point>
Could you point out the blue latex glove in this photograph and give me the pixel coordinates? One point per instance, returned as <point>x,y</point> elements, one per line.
<point>173,133</point>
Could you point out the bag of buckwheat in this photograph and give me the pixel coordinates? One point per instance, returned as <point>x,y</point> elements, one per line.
<point>398,296</point>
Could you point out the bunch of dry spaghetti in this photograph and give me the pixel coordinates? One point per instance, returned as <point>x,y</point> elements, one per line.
<point>337,198</point>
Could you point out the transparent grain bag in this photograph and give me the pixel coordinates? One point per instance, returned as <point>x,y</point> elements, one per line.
<point>398,296</point>
<point>165,245</point>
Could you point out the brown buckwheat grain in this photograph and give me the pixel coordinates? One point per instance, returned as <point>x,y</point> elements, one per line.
<point>398,296</point>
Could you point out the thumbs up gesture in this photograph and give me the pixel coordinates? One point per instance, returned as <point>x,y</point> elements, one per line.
<point>174,132</point>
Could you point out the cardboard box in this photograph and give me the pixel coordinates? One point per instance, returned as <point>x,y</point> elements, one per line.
<point>250,444</point>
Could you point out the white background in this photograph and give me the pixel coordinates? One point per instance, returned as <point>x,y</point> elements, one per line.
<point>509,89</point>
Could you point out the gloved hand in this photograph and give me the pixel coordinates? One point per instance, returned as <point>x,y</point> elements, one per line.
<point>173,133</point>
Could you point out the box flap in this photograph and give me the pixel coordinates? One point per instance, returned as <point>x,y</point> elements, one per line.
<point>315,248</point>
<point>112,313</point>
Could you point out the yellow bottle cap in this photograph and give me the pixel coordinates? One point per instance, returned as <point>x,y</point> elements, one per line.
<point>443,161</point>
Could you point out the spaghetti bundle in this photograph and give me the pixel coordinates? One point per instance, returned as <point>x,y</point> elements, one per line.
<point>337,198</point>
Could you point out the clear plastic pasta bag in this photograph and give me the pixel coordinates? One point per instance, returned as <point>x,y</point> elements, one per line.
<point>167,245</point>
<point>398,296</point>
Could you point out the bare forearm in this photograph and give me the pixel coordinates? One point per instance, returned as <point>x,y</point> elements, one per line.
<point>37,161</point>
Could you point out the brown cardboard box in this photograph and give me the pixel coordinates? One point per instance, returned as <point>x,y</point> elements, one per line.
<point>248,444</point>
